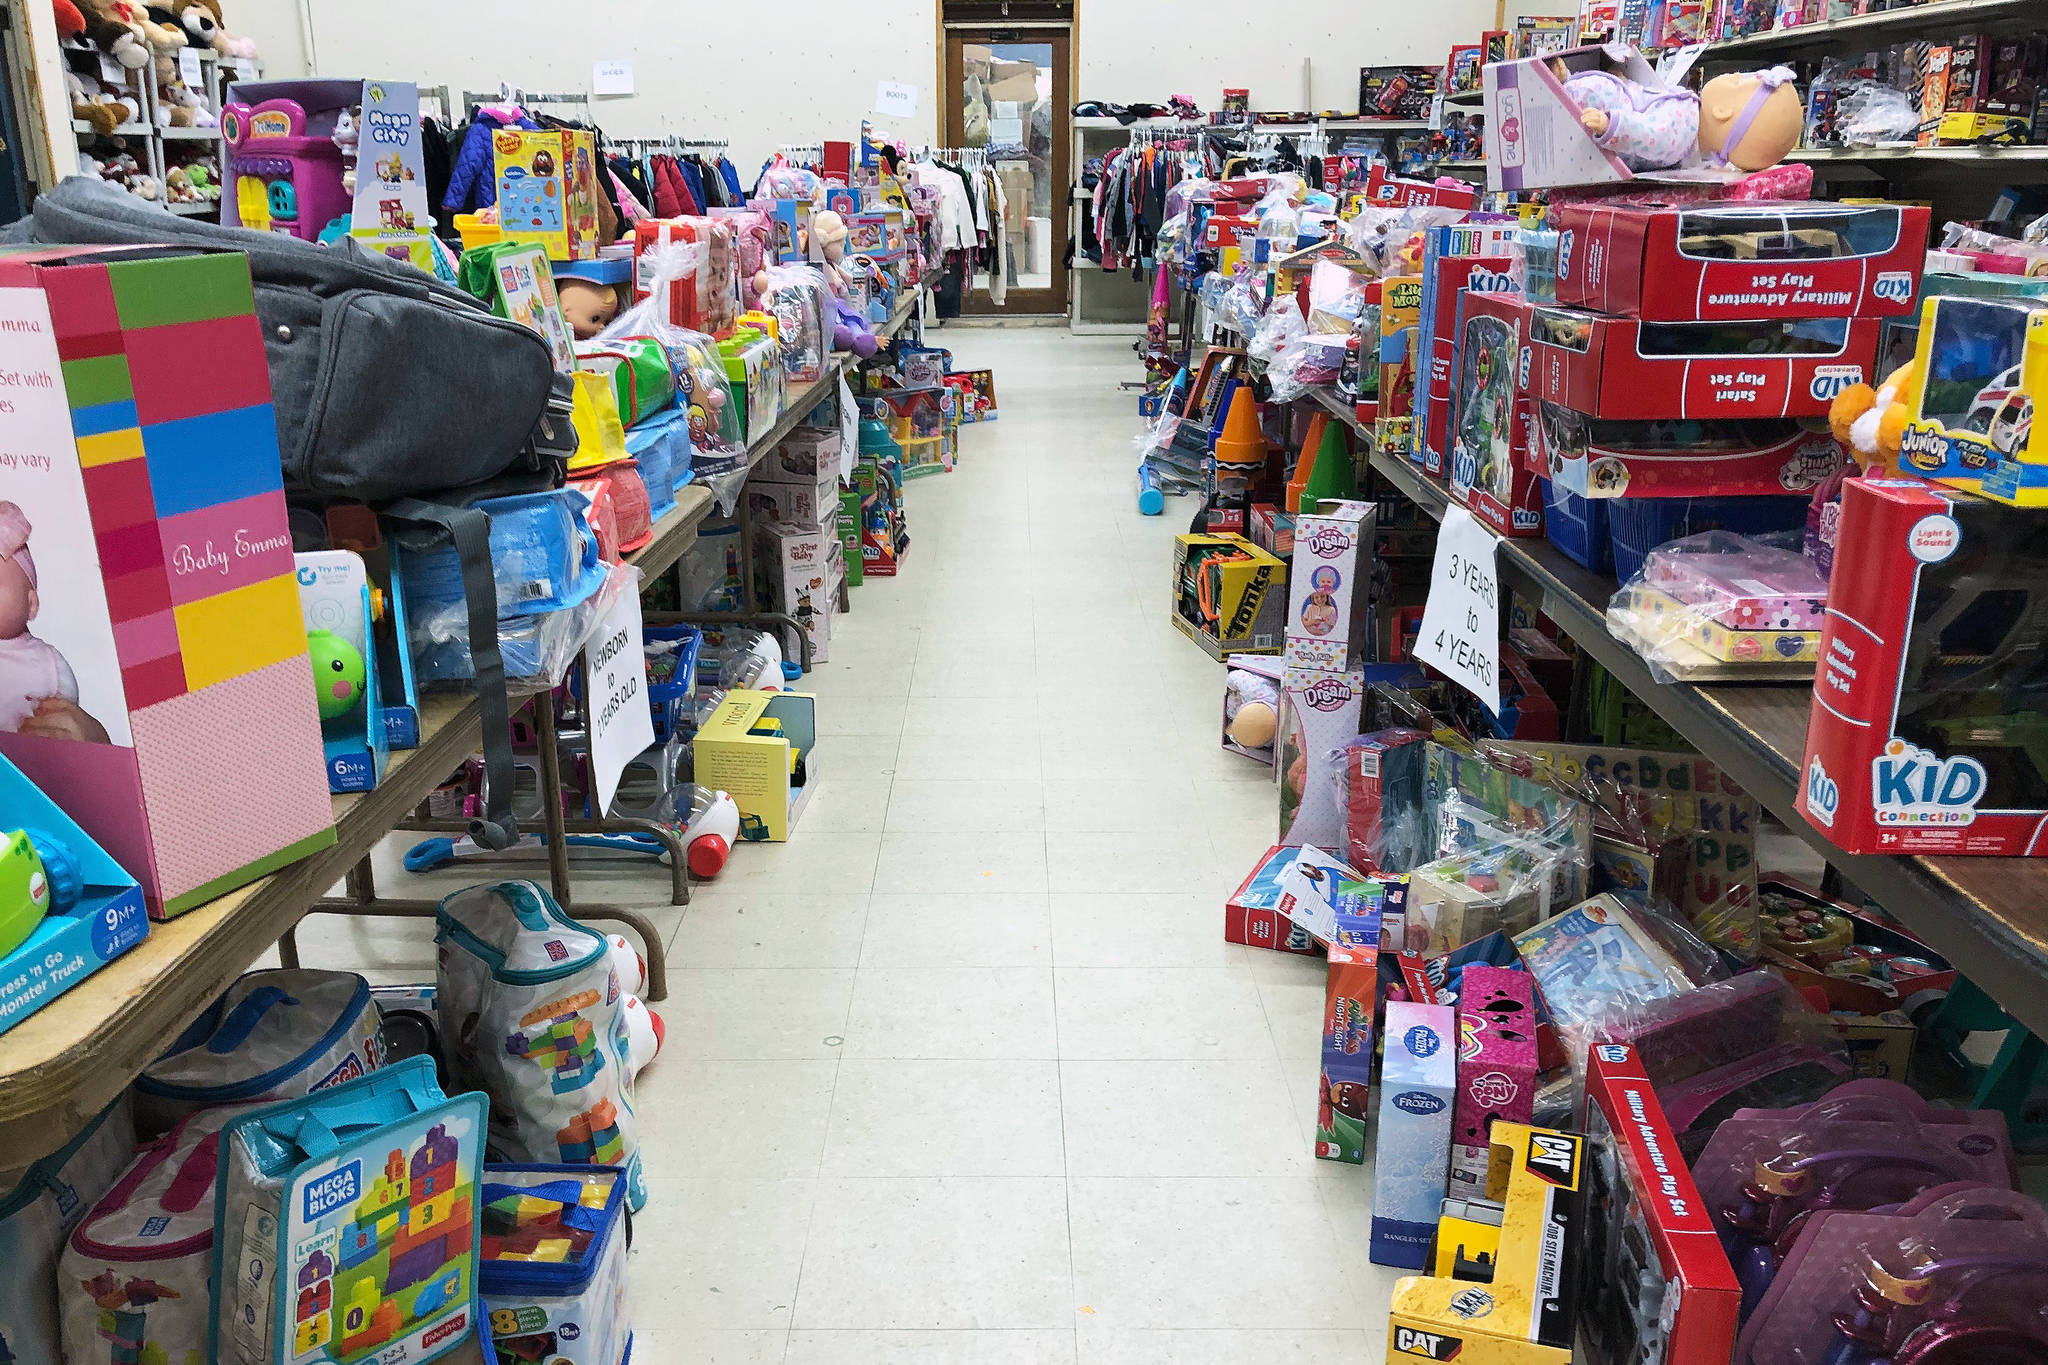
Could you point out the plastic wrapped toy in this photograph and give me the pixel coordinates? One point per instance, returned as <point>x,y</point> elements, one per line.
<point>554,1265</point>
<point>1722,606</point>
<point>534,1013</point>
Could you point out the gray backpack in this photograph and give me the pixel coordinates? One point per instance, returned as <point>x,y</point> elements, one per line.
<point>390,389</point>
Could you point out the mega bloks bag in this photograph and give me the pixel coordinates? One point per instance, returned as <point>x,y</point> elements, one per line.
<point>535,1017</point>
<point>36,1217</point>
<point>132,1284</point>
<point>273,1035</point>
<point>348,1226</point>
<point>554,1263</point>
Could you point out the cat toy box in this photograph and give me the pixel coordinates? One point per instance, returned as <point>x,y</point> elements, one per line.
<point>1527,1312</point>
<point>68,945</point>
<point>1350,997</point>
<point>1496,1067</point>
<point>1619,369</point>
<point>1979,372</point>
<point>1418,1085</point>
<point>1658,1285</point>
<point>1329,589</point>
<point>761,748</point>
<point>147,600</point>
<point>547,190</point>
<point>1741,262</point>
<point>1922,739</point>
<point>1488,419</point>
<point>1252,914</point>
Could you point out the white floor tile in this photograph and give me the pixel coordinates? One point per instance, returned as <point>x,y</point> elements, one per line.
<point>959,1346</point>
<point>983,862</point>
<point>913,1118</point>
<point>947,1253</point>
<point>937,809</point>
<point>1163,1013</point>
<point>760,1015</point>
<point>675,1345</point>
<point>727,927</point>
<point>1125,1346</point>
<point>750,1120</point>
<point>1000,1013</point>
<point>722,1252</point>
<point>960,929</point>
<point>1140,929</point>
<point>1179,1119</point>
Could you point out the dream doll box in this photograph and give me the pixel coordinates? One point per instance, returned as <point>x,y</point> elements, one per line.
<point>1621,369</point>
<point>1740,262</point>
<point>149,587</point>
<point>63,950</point>
<point>1488,418</point>
<point>1658,1284</point>
<point>1980,370</point>
<point>1329,589</point>
<point>1922,737</point>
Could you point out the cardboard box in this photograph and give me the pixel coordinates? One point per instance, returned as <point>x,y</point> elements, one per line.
<point>1329,589</point>
<point>1398,92</point>
<point>1741,262</point>
<point>1496,1067</point>
<point>847,527</point>
<point>1385,821</point>
<point>1489,418</point>
<point>1535,140</point>
<point>1880,1045</point>
<point>1957,81</point>
<point>1400,346</point>
<point>1596,459</point>
<point>810,503</point>
<point>1231,606</point>
<point>1620,369</point>
<point>705,298</point>
<point>154,604</point>
<point>760,747</point>
<point>798,571</point>
<point>1456,258</point>
<point>547,190</point>
<point>1658,1286</point>
<point>1981,370</point>
<point>806,455</point>
<point>1418,1086</point>
<point>1252,914</point>
<point>1350,999</point>
<point>1528,1314</point>
<point>1319,710</point>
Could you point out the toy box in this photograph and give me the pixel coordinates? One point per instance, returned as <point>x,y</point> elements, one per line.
<point>847,526</point>
<point>1591,458</point>
<point>1740,262</point>
<point>1457,258</point>
<point>148,588</point>
<point>1527,1311</point>
<point>1252,914</point>
<point>1488,419</point>
<point>283,168</point>
<point>1329,595</point>
<point>347,1224</point>
<point>806,501</point>
<point>335,602</point>
<point>1227,595</point>
<point>1309,892</point>
<point>1537,141</point>
<point>753,374</point>
<point>1922,738</point>
<point>1979,367</point>
<point>1956,81</point>
<point>65,947</point>
<point>1399,347</point>
<point>1658,1286</point>
<point>1319,711</point>
<point>1393,191</point>
<point>761,748</point>
<point>695,262</point>
<point>1594,955</point>
<point>806,455</point>
<point>1385,823</point>
<point>1398,92</point>
<point>547,190</point>
<point>1411,1156</point>
<point>1620,369</point>
<point>1350,997</point>
<point>553,1274</point>
<point>1496,1066</point>
<point>798,571</point>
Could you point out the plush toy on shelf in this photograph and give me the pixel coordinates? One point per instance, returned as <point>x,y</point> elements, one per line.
<point>116,28</point>
<point>1872,422</point>
<point>38,875</point>
<point>103,107</point>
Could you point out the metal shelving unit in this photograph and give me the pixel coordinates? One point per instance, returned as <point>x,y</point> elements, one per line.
<point>1887,26</point>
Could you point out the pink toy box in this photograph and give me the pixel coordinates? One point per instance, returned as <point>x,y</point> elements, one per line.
<point>147,587</point>
<point>1496,1067</point>
<point>284,168</point>
<point>1534,138</point>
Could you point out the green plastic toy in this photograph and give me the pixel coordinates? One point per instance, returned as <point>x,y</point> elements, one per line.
<point>337,673</point>
<point>37,875</point>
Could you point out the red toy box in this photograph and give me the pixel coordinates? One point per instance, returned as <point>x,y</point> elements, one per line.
<point>1392,191</point>
<point>1625,370</point>
<point>1658,1284</point>
<point>1738,262</point>
<point>1601,459</point>
<point>1489,417</point>
<point>1252,915</point>
<point>1925,735</point>
<point>1452,276</point>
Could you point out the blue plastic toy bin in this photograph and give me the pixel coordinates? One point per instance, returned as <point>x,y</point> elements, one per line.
<point>1578,526</point>
<point>1640,525</point>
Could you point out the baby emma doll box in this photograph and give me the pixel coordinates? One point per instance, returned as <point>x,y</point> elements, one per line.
<point>148,606</point>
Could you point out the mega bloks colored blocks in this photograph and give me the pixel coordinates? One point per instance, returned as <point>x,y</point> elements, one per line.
<point>148,592</point>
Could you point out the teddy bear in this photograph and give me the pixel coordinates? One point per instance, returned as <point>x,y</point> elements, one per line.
<point>1871,422</point>
<point>115,26</point>
<point>200,21</point>
<point>165,39</point>
<point>100,107</point>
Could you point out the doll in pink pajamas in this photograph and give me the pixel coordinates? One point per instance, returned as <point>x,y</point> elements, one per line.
<point>1650,130</point>
<point>38,693</point>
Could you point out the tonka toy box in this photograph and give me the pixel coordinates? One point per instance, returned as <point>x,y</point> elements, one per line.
<point>1527,1313</point>
<point>1980,371</point>
<point>1921,738</point>
<point>1658,1286</point>
<point>1490,419</point>
<point>1625,370</point>
<point>1736,263</point>
<point>1230,596</point>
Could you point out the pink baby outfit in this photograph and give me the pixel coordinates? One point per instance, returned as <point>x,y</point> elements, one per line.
<point>1650,130</point>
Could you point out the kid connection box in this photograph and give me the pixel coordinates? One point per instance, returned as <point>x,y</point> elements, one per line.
<point>153,671</point>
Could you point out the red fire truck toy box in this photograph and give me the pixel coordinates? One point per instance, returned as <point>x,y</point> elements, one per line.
<point>1929,732</point>
<point>1620,369</point>
<point>1741,262</point>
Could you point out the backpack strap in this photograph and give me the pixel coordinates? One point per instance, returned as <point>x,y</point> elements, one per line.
<point>470,530</point>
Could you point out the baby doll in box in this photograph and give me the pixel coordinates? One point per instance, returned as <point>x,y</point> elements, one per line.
<point>38,691</point>
<point>1747,121</point>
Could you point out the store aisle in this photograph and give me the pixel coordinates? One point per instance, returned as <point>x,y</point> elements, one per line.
<point>965,1073</point>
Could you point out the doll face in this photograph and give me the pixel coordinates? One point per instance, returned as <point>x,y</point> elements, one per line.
<point>17,599</point>
<point>588,307</point>
<point>1772,133</point>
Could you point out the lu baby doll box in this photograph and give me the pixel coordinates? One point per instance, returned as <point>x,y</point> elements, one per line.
<point>148,603</point>
<point>348,1226</point>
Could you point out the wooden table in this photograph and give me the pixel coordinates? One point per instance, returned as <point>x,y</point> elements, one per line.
<point>1989,916</point>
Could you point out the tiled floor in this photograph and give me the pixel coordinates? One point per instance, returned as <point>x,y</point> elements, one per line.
<point>964,1074</point>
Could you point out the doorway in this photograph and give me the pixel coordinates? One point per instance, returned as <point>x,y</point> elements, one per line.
<point>1007,105</point>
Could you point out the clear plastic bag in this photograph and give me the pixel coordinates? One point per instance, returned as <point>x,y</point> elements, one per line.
<point>1604,957</point>
<point>801,302</point>
<point>1278,344</point>
<point>1501,885</point>
<point>1870,114</point>
<point>1720,606</point>
<point>701,391</point>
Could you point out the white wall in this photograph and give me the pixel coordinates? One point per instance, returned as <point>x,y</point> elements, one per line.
<point>756,72</point>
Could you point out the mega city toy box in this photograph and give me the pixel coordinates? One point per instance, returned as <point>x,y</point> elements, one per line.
<point>1740,263</point>
<point>1929,729</point>
<point>147,592</point>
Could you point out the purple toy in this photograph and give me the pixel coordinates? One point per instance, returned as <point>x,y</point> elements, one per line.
<point>284,169</point>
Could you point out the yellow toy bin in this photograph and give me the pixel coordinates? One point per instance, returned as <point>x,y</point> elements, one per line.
<point>760,748</point>
<point>477,230</point>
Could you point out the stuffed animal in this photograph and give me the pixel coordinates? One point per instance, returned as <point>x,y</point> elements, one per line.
<point>165,38</point>
<point>1872,422</point>
<point>116,27</point>
<point>70,22</point>
<point>200,20</point>
<point>347,136</point>
<point>100,107</point>
<point>201,177</point>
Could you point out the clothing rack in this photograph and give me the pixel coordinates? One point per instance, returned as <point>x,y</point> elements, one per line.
<point>512,94</point>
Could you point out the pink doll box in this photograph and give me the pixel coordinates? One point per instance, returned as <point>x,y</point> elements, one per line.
<point>1742,584</point>
<point>1496,1067</point>
<point>147,590</point>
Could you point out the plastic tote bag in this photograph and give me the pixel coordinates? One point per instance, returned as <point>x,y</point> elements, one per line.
<point>274,1035</point>
<point>132,1283</point>
<point>348,1224</point>
<point>554,1268</point>
<point>35,1218</point>
<point>534,1016</point>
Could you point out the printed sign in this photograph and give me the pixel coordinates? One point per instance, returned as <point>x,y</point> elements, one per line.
<point>611,78</point>
<point>895,99</point>
<point>1461,622</point>
<point>615,680</point>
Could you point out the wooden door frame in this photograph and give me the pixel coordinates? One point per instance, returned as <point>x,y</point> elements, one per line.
<point>1053,298</point>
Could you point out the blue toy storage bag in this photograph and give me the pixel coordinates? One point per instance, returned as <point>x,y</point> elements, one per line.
<point>348,1225</point>
<point>662,445</point>
<point>567,1304</point>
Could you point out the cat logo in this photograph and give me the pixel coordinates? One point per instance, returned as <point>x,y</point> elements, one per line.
<point>1428,1345</point>
<point>1555,1158</point>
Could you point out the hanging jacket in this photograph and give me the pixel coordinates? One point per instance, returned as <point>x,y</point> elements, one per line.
<point>731,176</point>
<point>694,178</point>
<point>473,183</point>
